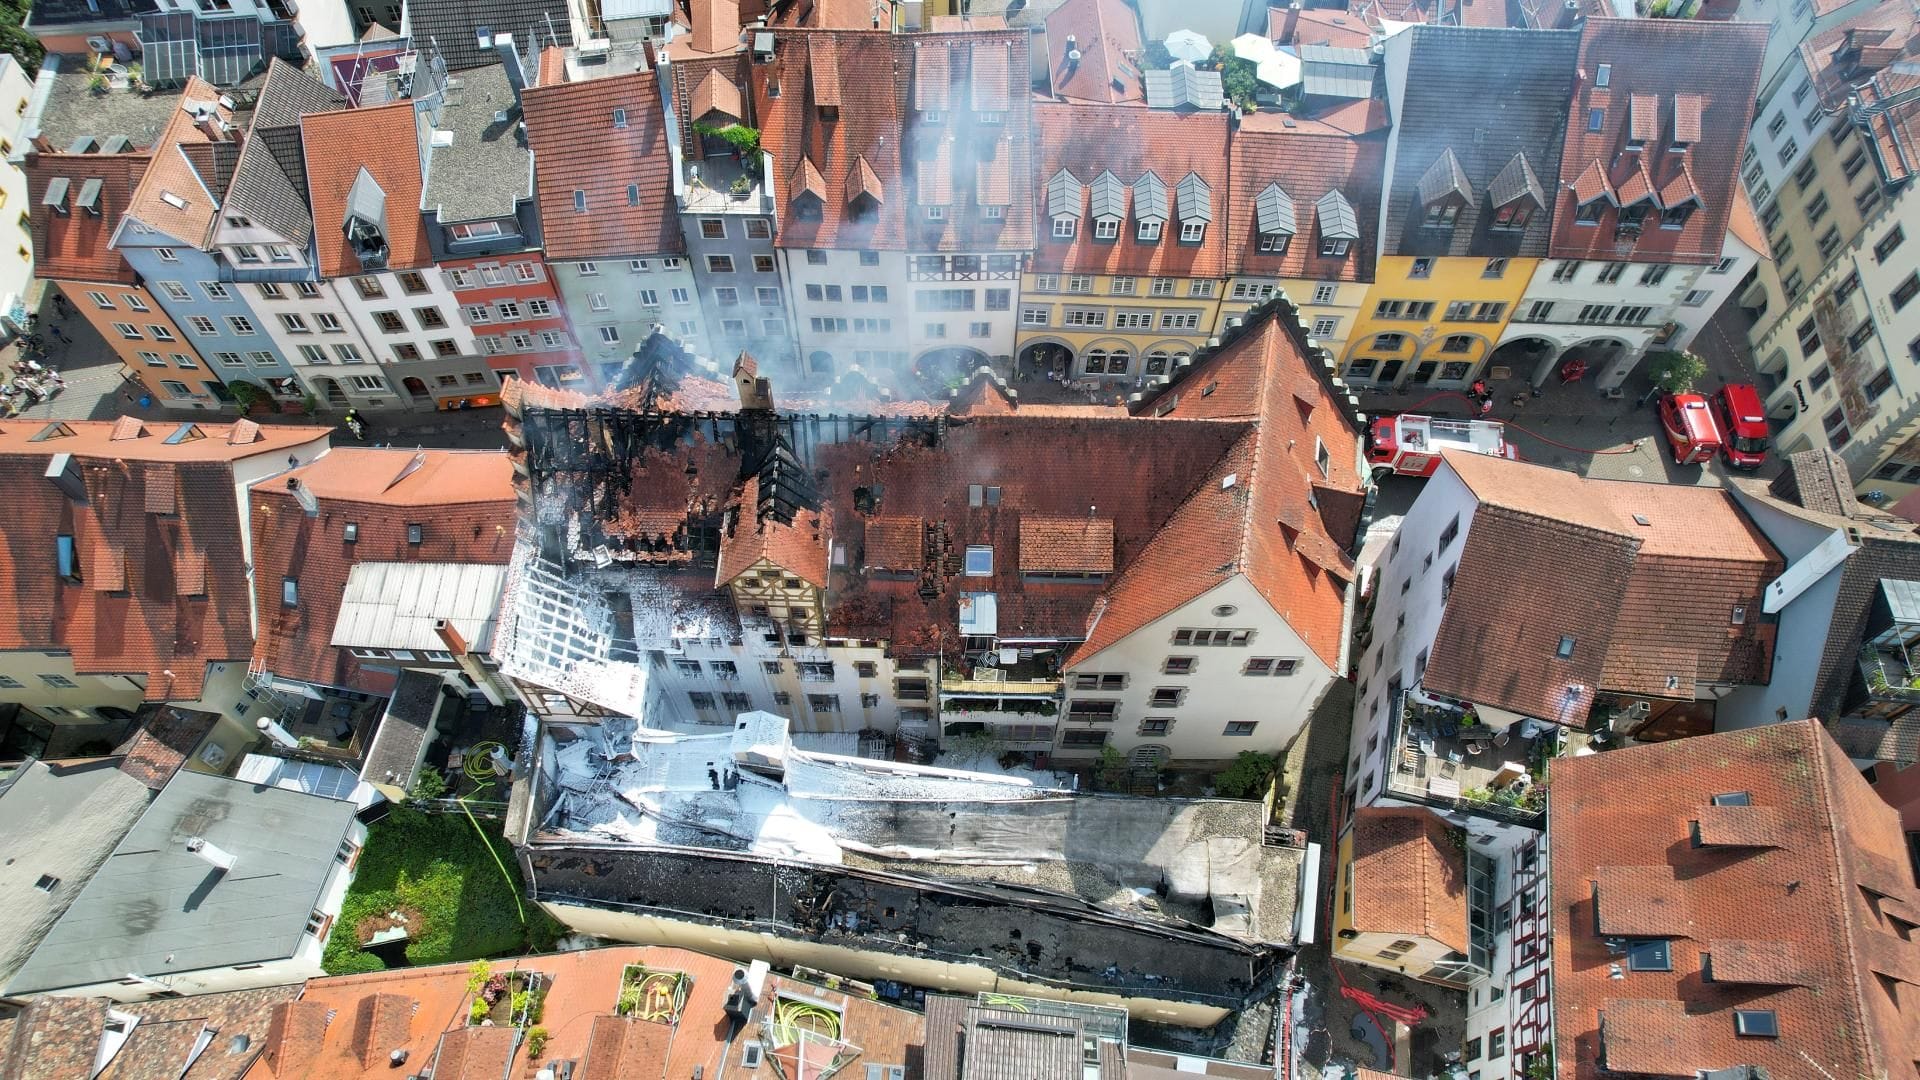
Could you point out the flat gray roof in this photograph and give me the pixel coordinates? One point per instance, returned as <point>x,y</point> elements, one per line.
<point>61,821</point>
<point>155,909</point>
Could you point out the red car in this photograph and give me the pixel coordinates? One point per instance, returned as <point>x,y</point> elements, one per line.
<point>1743,421</point>
<point>1692,432</point>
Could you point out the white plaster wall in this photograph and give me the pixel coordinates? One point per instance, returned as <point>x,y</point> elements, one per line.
<point>1801,636</point>
<point>1720,286</point>
<point>675,709</point>
<point>50,702</point>
<point>1392,650</point>
<point>16,260</point>
<point>843,268</point>
<point>397,299</point>
<point>327,300</point>
<point>1217,692</point>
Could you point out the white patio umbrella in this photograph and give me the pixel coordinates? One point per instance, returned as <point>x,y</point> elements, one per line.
<point>1188,45</point>
<point>1280,70</point>
<point>1253,47</point>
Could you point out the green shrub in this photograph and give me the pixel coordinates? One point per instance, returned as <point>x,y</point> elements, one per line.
<point>1248,776</point>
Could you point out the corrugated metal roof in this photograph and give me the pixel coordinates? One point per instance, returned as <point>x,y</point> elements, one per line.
<point>391,605</point>
<point>1109,196</point>
<point>635,9</point>
<point>1327,71</point>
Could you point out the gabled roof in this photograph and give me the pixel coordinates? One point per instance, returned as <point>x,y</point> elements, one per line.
<point>1106,35</point>
<point>1273,211</point>
<point>382,141</point>
<point>1308,165</point>
<point>453,26</point>
<point>59,1038</point>
<point>1685,82</point>
<point>1187,149</point>
<point>1826,960</point>
<point>1520,593</point>
<point>1485,95</point>
<point>269,180</point>
<point>157,503</point>
<point>462,500</point>
<point>717,94</point>
<point>1516,181</point>
<point>1444,178</point>
<point>180,194</point>
<point>1110,196</point>
<point>577,147</point>
<point>1409,875</point>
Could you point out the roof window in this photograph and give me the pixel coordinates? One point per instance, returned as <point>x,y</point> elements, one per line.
<point>67,556</point>
<point>579,201</point>
<point>1566,647</point>
<point>47,883</point>
<point>1596,119</point>
<point>620,118</point>
<point>415,532</point>
<point>1733,798</point>
<point>290,592</point>
<point>353,531</point>
<point>980,561</point>
<point>1604,75</point>
<point>1649,954</point>
<point>1756,1023</point>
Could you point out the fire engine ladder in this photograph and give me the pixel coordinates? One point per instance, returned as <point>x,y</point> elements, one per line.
<point>1528,1021</point>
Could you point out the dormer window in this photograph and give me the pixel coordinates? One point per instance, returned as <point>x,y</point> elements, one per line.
<point>1150,207</point>
<point>1339,225</point>
<point>1675,217</point>
<point>1109,205</point>
<point>932,116</point>
<point>1148,232</point>
<point>1064,201</point>
<point>990,117</point>
<point>1441,216</point>
<point>1444,191</point>
<point>1274,219</point>
<point>1589,213</point>
<point>1106,228</point>
<point>1193,200</point>
<point>365,223</point>
<point>1513,216</point>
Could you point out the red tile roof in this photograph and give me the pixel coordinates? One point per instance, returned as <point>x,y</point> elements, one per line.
<point>150,626</point>
<point>576,147</point>
<point>717,94</point>
<point>1853,51</point>
<point>1106,34</point>
<point>74,246</point>
<point>1666,76</point>
<point>58,1038</point>
<point>1409,875</point>
<point>463,499</point>
<point>1306,166</point>
<point>1086,140</point>
<point>815,158</point>
<point>583,988</point>
<point>179,195</point>
<point>1295,556</point>
<point>1550,554</point>
<point>799,548</point>
<point>1305,26</point>
<point>1066,545</point>
<point>382,141</point>
<point>1825,957</point>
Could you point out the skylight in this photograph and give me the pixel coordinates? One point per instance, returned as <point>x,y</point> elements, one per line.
<point>980,561</point>
<point>1758,1023</point>
<point>1733,798</point>
<point>1566,647</point>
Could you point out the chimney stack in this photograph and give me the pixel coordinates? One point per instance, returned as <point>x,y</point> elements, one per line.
<point>304,494</point>
<point>275,733</point>
<point>213,856</point>
<point>450,637</point>
<point>510,59</point>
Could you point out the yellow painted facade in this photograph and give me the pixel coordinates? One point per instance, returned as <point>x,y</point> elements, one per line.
<point>1112,329</point>
<point>1410,954</point>
<point>1328,309</point>
<point>1432,321</point>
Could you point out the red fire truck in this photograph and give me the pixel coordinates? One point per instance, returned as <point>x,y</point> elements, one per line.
<point>1410,445</point>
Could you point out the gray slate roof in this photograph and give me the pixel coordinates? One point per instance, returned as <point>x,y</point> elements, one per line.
<point>270,182</point>
<point>487,169</point>
<point>1516,178</point>
<point>451,26</point>
<point>1485,94</point>
<point>404,730</point>
<point>63,822</point>
<point>153,899</point>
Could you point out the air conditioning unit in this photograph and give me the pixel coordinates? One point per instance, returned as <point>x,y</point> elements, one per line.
<point>100,45</point>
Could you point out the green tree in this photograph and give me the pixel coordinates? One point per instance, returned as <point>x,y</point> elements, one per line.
<point>14,38</point>
<point>1238,78</point>
<point>1676,372</point>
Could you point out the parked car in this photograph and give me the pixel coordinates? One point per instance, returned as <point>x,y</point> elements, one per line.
<point>1692,432</point>
<point>1743,423</point>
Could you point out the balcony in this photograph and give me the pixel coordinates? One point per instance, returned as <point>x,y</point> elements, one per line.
<point>1445,758</point>
<point>722,185</point>
<point>1889,674</point>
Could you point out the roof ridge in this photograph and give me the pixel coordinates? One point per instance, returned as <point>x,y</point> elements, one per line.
<point>1259,421</point>
<point>1858,1021</point>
